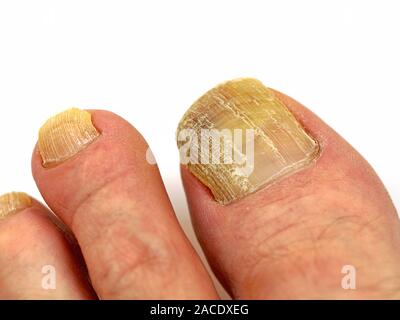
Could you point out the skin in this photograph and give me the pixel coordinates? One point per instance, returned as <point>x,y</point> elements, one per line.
<point>289,240</point>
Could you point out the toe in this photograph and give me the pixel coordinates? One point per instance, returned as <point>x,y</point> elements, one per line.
<point>37,261</point>
<point>309,206</point>
<point>91,169</point>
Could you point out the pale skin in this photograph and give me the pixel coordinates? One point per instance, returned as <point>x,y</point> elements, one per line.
<point>289,240</point>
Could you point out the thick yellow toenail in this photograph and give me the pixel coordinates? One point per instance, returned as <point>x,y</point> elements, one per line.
<point>239,137</point>
<point>64,135</point>
<point>13,202</point>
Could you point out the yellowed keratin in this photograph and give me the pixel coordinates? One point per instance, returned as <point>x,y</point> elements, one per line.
<point>64,135</point>
<point>13,202</point>
<point>281,145</point>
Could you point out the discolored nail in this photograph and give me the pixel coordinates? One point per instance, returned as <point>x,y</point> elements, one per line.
<point>13,202</point>
<point>239,137</point>
<point>64,135</point>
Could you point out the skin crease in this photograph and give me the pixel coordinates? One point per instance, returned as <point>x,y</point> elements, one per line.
<point>289,240</point>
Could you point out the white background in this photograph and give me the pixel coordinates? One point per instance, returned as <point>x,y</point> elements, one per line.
<point>149,60</point>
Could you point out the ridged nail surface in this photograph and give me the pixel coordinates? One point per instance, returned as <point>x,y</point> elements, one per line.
<point>64,135</point>
<point>13,202</point>
<point>239,137</point>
